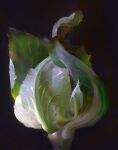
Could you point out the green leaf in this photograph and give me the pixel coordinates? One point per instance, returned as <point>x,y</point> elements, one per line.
<point>95,100</point>
<point>103,95</point>
<point>85,75</point>
<point>26,51</point>
<point>82,54</point>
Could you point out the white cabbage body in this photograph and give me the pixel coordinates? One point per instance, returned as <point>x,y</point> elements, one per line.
<point>58,81</point>
<point>24,108</point>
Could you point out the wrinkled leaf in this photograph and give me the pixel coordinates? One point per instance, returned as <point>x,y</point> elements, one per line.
<point>82,54</point>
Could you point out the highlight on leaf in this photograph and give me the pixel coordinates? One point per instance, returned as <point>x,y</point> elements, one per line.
<point>66,24</point>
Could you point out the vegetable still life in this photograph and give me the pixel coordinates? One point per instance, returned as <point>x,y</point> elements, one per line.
<point>53,83</point>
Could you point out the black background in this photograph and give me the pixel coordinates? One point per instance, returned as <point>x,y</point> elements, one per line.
<point>98,33</point>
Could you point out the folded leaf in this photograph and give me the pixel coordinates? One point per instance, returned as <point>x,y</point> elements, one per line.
<point>64,26</point>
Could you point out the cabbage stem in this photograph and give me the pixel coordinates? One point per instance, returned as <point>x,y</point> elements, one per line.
<point>60,143</point>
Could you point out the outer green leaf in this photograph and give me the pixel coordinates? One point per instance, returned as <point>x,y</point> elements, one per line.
<point>95,101</point>
<point>103,95</point>
<point>26,51</point>
<point>79,71</point>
